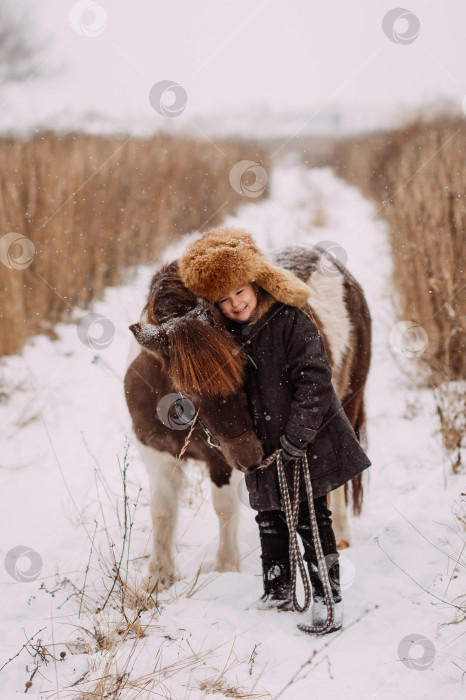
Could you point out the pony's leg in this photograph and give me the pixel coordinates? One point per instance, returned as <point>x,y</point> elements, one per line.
<point>337,504</point>
<point>165,484</point>
<point>226,503</point>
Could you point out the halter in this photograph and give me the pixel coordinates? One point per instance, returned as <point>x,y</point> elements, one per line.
<point>214,440</point>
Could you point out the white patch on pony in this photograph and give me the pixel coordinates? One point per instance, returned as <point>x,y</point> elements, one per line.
<point>226,504</point>
<point>328,300</point>
<point>337,504</point>
<point>166,482</point>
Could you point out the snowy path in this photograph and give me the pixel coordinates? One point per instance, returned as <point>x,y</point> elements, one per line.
<point>63,432</point>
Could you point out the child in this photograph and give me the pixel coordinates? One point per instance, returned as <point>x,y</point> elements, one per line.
<point>292,401</point>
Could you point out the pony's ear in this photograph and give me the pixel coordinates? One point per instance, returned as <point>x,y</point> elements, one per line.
<point>152,338</point>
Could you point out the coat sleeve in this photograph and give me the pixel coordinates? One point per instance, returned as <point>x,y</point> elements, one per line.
<point>310,376</point>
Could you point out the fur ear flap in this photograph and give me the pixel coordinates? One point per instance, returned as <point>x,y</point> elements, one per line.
<point>152,338</point>
<point>282,284</point>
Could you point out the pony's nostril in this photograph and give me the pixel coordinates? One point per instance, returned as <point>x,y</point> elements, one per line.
<point>254,467</point>
<point>247,469</point>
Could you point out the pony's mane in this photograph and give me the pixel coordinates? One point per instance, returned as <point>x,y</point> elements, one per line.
<point>168,297</point>
<point>202,356</point>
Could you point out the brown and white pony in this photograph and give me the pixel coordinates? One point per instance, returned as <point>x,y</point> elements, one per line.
<point>188,364</point>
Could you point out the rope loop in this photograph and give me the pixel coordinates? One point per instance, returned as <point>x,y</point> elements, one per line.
<point>296,560</point>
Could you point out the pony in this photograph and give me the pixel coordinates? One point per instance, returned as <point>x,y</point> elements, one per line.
<point>187,380</point>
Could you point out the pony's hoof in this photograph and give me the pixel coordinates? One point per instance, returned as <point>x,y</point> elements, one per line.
<point>224,566</point>
<point>157,581</point>
<point>342,544</point>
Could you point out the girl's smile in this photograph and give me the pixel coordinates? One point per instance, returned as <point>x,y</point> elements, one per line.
<point>239,303</point>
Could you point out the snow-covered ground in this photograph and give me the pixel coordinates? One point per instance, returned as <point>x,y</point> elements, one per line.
<point>64,426</point>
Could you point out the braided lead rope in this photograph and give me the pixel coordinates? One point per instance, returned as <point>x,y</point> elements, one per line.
<point>322,564</point>
<point>271,458</point>
<point>291,514</point>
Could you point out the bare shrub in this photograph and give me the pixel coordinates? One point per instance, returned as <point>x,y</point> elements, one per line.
<point>20,55</point>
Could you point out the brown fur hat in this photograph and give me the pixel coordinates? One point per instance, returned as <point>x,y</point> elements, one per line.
<point>226,258</point>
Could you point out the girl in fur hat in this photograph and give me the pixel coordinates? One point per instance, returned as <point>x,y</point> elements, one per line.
<point>292,401</point>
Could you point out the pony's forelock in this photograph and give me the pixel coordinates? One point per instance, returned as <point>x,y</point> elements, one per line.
<point>203,360</point>
<point>200,355</point>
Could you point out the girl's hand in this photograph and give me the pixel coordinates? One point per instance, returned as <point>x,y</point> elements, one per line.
<point>290,450</point>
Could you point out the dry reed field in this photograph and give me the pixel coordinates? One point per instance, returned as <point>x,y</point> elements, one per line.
<point>93,206</point>
<point>416,175</point>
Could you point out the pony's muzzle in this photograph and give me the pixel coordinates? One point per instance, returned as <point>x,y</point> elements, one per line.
<point>246,470</point>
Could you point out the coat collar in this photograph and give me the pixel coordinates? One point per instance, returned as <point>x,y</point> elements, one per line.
<point>264,302</point>
<point>262,316</point>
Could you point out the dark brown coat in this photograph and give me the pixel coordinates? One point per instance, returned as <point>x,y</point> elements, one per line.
<point>289,390</point>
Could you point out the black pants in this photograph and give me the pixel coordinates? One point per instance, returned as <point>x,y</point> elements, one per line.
<point>273,532</point>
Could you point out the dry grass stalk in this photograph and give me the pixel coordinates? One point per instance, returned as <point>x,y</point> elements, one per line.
<point>456,558</point>
<point>416,176</point>
<point>219,683</point>
<point>112,626</point>
<point>119,682</point>
<point>459,514</point>
<point>95,205</point>
<point>451,410</point>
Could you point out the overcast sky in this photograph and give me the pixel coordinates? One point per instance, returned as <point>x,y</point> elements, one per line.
<point>240,55</point>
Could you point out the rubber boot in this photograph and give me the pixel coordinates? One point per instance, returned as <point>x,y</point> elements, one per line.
<point>318,611</point>
<point>277,587</point>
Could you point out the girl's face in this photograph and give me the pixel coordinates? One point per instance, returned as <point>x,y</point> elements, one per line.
<point>239,303</point>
